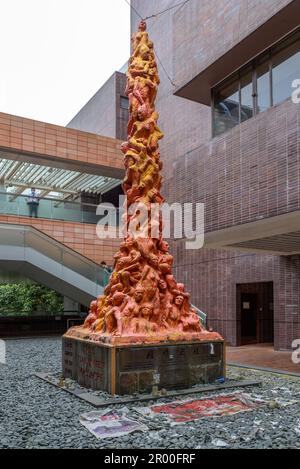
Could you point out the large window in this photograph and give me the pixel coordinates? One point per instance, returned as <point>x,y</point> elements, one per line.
<point>264,82</point>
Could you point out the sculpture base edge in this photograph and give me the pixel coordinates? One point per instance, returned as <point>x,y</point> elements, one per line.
<point>127,369</point>
<point>80,332</point>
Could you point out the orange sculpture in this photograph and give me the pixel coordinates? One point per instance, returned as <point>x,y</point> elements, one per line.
<point>142,303</point>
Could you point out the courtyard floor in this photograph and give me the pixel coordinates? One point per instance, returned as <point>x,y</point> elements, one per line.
<point>263,356</point>
<point>35,414</point>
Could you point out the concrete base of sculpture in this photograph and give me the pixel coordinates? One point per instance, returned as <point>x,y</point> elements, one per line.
<point>141,368</point>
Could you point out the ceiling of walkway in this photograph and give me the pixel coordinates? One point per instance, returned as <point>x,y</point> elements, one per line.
<point>19,176</point>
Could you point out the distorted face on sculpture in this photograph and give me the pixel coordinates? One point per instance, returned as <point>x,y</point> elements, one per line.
<point>143,26</point>
<point>138,295</point>
<point>179,300</point>
<point>129,242</point>
<point>164,246</point>
<point>162,285</point>
<point>118,298</point>
<point>146,311</point>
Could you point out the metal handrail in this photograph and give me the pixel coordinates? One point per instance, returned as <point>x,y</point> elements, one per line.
<point>202,316</point>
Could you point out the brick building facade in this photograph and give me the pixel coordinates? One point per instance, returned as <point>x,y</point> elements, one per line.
<point>106,113</point>
<point>248,274</point>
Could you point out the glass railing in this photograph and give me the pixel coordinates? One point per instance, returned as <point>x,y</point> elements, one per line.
<point>53,209</point>
<point>202,316</point>
<point>19,236</point>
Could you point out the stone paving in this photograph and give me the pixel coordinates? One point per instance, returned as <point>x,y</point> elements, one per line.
<point>35,414</point>
<point>264,356</point>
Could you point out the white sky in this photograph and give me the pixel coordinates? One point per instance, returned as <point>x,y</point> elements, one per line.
<point>55,54</point>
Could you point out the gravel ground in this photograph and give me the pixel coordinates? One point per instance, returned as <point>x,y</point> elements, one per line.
<point>34,414</point>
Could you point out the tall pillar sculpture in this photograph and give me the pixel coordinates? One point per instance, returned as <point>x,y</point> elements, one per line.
<point>143,310</point>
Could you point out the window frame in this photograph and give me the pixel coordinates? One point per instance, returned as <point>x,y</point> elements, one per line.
<point>290,39</point>
<point>122,99</point>
<point>242,70</point>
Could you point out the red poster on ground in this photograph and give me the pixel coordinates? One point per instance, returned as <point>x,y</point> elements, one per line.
<point>186,411</point>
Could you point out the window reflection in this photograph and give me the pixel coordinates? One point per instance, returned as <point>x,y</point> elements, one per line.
<point>226,109</point>
<point>247,108</point>
<point>263,85</point>
<point>286,68</point>
<point>266,81</point>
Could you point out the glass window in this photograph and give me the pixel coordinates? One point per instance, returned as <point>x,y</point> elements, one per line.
<point>124,102</point>
<point>263,84</point>
<point>247,108</point>
<point>286,68</point>
<point>226,107</point>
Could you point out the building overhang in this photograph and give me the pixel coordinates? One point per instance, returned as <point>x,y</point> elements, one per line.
<point>56,159</point>
<point>279,235</point>
<point>60,147</point>
<point>278,26</point>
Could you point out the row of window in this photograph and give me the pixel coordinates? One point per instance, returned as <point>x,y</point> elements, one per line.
<point>264,82</point>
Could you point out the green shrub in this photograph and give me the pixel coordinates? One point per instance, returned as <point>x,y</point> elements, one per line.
<point>20,298</point>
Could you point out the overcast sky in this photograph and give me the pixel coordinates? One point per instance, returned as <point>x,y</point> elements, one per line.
<point>55,54</point>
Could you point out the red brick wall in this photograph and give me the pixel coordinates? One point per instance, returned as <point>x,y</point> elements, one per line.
<point>78,236</point>
<point>287,302</point>
<point>48,141</point>
<point>206,29</point>
<point>246,174</point>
